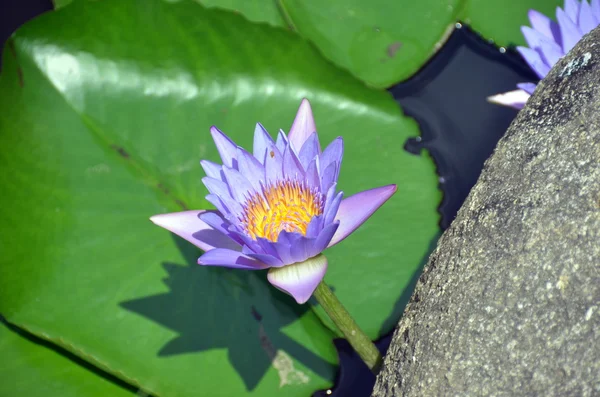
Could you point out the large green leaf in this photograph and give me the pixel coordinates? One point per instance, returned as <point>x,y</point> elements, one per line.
<point>30,369</point>
<point>107,107</point>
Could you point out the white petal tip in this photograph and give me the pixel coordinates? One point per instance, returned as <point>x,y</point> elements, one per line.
<point>515,99</point>
<point>299,279</point>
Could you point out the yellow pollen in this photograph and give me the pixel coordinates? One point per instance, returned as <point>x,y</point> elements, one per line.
<point>285,205</point>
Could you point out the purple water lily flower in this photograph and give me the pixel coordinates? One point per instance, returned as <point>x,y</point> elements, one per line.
<point>549,41</point>
<point>277,208</point>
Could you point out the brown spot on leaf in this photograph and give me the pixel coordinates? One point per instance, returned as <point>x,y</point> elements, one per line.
<point>163,188</point>
<point>393,48</point>
<point>13,51</point>
<point>121,151</point>
<point>257,316</point>
<point>182,204</point>
<point>272,154</point>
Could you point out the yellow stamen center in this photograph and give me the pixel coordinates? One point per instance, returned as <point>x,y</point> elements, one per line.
<point>285,205</point>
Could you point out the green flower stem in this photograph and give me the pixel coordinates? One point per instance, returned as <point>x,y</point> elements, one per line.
<point>340,316</point>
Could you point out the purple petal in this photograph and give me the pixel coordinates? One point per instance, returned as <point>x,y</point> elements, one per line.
<point>211,169</point>
<point>229,258</point>
<point>239,186</point>
<point>291,164</point>
<point>551,52</point>
<point>190,227</point>
<point>312,173</point>
<point>300,279</point>
<point>315,226</point>
<point>527,87</point>
<point>595,4</point>
<point>226,205</point>
<point>309,150</point>
<point>515,99</point>
<point>333,154</point>
<point>300,249</point>
<point>534,60</point>
<point>542,24</point>
<point>284,252</point>
<point>282,141</point>
<point>332,208</point>
<point>217,187</point>
<point>303,126</point>
<point>572,9</point>
<point>269,260</point>
<point>324,239</point>
<point>273,164</point>
<point>356,209</point>
<point>262,140</point>
<point>587,21</point>
<point>328,177</point>
<point>225,146</point>
<point>569,32</point>
<point>218,203</point>
<point>251,168</point>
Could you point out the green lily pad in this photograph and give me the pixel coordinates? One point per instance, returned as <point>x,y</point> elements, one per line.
<point>108,106</point>
<point>31,369</point>
<point>385,42</point>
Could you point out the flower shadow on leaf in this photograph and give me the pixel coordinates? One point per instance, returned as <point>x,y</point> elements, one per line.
<point>215,308</point>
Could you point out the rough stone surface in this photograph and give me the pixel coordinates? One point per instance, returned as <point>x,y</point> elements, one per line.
<point>509,303</point>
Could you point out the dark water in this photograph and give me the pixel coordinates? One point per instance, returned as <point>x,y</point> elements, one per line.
<point>460,129</point>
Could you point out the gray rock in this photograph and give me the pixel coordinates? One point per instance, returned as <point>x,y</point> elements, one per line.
<point>509,302</point>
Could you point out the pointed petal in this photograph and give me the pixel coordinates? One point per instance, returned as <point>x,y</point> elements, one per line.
<point>262,139</point>
<point>225,146</point>
<point>328,177</point>
<point>572,9</point>
<point>324,238</point>
<point>550,52</point>
<point>190,227</point>
<point>527,87</point>
<point>586,21</point>
<point>299,250</point>
<point>282,141</point>
<point>273,164</point>
<point>312,173</point>
<point>542,24</point>
<point>217,187</point>
<point>569,31</point>
<point>303,126</point>
<point>595,4</point>
<point>300,279</point>
<point>534,60</point>
<point>333,154</point>
<point>229,258</point>
<point>218,203</point>
<point>548,48</point>
<point>315,226</point>
<point>309,150</point>
<point>212,170</point>
<point>239,186</point>
<point>225,204</point>
<point>291,164</point>
<point>515,99</point>
<point>269,260</point>
<point>251,168</point>
<point>356,209</point>
<point>332,208</point>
